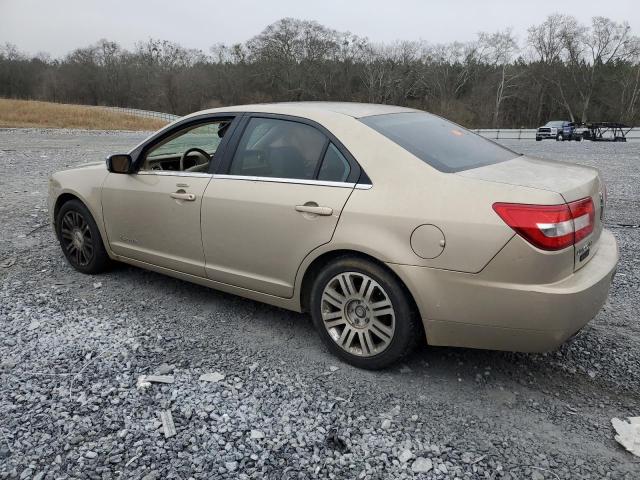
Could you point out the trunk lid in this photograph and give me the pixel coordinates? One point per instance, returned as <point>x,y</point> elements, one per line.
<point>572,182</point>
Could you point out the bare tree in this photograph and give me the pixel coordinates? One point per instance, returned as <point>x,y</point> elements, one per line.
<point>590,50</point>
<point>498,50</point>
<point>556,39</point>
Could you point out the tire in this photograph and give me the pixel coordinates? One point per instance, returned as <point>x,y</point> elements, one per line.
<point>86,254</point>
<point>392,334</point>
<point>538,139</point>
<point>559,137</point>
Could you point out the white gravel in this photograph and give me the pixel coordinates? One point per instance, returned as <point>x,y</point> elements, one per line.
<point>71,353</point>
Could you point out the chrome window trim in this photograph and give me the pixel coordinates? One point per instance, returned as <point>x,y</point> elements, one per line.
<point>298,181</point>
<point>174,173</point>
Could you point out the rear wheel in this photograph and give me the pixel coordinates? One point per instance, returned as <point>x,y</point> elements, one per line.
<point>80,238</point>
<point>363,313</point>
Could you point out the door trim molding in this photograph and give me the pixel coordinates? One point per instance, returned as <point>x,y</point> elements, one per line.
<point>298,181</point>
<point>174,173</point>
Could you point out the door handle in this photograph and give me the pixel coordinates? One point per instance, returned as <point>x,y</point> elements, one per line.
<point>189,197</point>
<point>315,209</point>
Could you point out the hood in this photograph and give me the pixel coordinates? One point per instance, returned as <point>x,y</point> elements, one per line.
<point>89,165</point>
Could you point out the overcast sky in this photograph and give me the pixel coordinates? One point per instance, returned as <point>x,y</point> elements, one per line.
<point>59,26</point>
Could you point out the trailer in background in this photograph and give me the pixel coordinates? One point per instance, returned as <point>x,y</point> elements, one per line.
<point>606,131</point>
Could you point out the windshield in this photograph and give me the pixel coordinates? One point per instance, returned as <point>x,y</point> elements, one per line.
<point>554,123</point>
<point>440,143</point>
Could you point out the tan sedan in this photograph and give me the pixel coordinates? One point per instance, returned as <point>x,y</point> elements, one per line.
<point>388,224</point>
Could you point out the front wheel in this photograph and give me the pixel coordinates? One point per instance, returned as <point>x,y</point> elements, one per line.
<point>80,238</point>
<point>559,137</point>
<point>363,314</point>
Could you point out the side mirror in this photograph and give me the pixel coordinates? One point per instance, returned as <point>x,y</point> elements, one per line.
<point>119,163</point>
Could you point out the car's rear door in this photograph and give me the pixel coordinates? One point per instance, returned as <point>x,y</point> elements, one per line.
<point>153,215</point>
<point>278,195</point>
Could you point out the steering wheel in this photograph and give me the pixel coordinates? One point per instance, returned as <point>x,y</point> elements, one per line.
<point>204,155</point>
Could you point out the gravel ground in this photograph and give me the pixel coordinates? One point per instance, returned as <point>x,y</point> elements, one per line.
<point>72,348</point>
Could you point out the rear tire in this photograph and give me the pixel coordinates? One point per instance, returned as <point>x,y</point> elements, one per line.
<point>80,238</point>
<point>363,313</point>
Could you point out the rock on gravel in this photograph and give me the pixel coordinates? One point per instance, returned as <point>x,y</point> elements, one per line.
<point>628,433</point>
<point>405,456</point>
<point>422,465</point>
<point>231,466</point>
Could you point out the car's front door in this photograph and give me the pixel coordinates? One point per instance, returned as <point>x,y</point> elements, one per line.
<point>279,196</point>
<point>153,215</point>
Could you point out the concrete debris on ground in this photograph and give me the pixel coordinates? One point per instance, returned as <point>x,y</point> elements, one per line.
<point>628,433</point>
<point>159,378</point>
<point>145,381</point>
<point>142,383</point>
<point>211,377</point>
<point>168,426</point>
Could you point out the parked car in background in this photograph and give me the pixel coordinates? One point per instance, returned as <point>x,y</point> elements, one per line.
<point>389,225</point>
<point>554,129</point>
<point>561,130</point>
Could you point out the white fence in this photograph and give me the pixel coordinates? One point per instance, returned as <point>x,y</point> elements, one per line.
<point>529,133</point>
<point>143,113</point>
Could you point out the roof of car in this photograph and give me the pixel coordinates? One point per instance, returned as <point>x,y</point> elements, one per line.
<point>352,109</point>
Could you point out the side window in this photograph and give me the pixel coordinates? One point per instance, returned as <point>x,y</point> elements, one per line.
<point>335,168</point>
<point>189,150</point>
<point>278,148</point>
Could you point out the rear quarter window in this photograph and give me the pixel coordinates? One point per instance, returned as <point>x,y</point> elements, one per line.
<point>438,142</point>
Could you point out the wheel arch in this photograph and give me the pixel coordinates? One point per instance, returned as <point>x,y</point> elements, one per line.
<point>316,265</point>
<point>62,199</point>
<point>67,195</point>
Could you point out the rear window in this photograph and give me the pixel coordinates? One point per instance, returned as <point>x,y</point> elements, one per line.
<point>442,144</point>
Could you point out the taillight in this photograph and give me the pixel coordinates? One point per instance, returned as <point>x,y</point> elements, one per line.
<point>549,227</point>
<point>584,215</point>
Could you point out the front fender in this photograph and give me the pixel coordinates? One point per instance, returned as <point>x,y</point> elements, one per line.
<point>85,184</point>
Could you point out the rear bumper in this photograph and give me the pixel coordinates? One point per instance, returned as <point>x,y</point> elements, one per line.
<point>467,310</point>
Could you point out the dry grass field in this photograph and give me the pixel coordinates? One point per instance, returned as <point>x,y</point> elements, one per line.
<point>34,114</point>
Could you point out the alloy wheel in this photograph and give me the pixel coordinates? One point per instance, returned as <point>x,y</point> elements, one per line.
<point>358,314</point>
<point>76,238</point>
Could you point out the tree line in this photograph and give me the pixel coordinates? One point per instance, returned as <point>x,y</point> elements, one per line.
<point>562,70</point>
